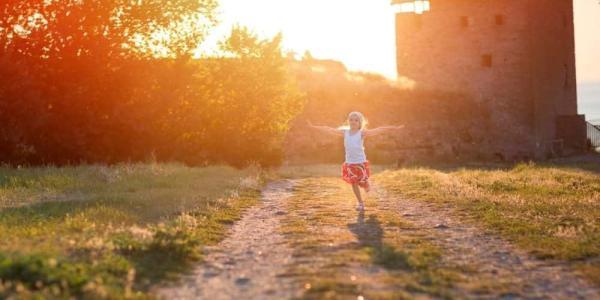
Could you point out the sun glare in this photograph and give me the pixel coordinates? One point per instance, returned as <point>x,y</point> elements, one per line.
<point>359,33</point>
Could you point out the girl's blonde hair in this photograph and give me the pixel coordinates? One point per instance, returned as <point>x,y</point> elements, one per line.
<point>361,118</point>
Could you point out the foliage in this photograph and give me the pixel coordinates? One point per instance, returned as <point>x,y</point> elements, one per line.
<point>104,29</point>
<point>110,81</point>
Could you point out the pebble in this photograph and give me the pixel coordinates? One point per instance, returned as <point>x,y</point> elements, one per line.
<point>242,280</point>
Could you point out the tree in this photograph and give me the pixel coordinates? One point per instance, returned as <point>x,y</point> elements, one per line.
<point>110,81</point>
<point>113,28</point>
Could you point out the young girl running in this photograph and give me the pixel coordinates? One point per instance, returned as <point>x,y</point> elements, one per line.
<point>355,169</point>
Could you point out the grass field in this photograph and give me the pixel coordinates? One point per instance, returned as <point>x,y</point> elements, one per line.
<point>97,232</point>
<point>552,210</point>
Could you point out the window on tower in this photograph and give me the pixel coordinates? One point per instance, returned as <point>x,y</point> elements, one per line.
<point>499,20</point>
<point>486,60</point>
<point>464,21</point>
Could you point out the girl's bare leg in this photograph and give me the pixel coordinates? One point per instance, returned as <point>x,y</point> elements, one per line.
<point>356,190</point>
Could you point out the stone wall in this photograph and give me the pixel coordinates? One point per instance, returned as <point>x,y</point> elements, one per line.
<point>516,57</point>
<point>552,68</point>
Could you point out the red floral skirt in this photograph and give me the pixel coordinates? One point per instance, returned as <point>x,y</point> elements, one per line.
<point>357,174</point>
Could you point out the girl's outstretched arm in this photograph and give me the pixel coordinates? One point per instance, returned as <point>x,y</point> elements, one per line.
<point>326,129</point>
<point>382,129</point>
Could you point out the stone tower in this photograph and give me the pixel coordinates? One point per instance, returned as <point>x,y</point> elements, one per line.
<point>515,57</point>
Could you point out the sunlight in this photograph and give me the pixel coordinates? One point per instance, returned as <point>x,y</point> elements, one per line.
<point>160,40</point>
<point>359,33</point>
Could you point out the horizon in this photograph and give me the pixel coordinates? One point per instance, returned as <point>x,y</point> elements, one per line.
<point>374,53</point>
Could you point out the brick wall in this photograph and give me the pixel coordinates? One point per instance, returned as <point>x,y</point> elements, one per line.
<point>516,57</point>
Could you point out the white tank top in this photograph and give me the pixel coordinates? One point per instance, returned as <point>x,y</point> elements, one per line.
<point>355,150</point>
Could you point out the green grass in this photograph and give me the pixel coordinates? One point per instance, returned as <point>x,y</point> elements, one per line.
<point>553,211</point>
<point>97,232</point>
<point>94,232</point>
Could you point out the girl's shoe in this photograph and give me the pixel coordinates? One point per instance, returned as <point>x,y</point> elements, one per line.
<point>360,207</point>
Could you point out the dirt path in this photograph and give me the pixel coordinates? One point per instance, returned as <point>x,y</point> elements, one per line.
<point>249,262</point>
<point>306,241</point>
<point>489,258</point>
<point>334,244</point>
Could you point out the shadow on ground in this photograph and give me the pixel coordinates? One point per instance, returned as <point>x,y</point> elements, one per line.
<point>370,236</point>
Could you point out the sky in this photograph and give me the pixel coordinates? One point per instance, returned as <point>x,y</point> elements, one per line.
<point>587,40</point>
<point>360,33</point>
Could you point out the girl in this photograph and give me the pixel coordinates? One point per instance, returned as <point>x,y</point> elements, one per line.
<point>355,169</point>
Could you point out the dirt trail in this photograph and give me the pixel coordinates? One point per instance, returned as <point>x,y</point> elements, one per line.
<point>249,263</point>
<point>257,261</point>
<point>489,257</point>
<point>329,238</point>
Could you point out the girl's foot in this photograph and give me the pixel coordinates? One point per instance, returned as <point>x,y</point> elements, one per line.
<point>360,207</point>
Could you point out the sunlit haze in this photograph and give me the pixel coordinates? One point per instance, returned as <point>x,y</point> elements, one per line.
<point>360,33</point>
<point>587,39</point>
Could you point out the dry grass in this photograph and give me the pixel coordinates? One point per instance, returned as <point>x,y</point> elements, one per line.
<point>97,232</point>
<point>553,211</point>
